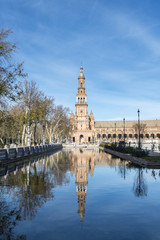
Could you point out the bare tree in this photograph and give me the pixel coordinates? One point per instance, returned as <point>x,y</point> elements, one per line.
<point>10,72</point>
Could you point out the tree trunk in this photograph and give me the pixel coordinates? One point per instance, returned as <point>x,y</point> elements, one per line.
<point>34,135</point>
<point>23,134</point>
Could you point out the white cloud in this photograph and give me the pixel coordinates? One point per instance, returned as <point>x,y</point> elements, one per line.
<point>130,27</point>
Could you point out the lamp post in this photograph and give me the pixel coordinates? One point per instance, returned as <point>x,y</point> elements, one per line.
<point>52,137</point>
<point>124,131</point>
<point>107,135</point>
<point>139,140</point>
<point>19,138</point>
<point>115,133</point>
<point>43,134</point>
<point>152,142</point>
<point>28,133</point>
<point>28,127</point>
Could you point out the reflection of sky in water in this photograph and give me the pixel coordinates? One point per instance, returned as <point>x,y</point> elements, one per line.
<point>120,201</point>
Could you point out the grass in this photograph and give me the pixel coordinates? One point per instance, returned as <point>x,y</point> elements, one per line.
<point>153,158</point>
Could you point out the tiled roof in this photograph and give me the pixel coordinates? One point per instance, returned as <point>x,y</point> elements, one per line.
<point>129,124</point>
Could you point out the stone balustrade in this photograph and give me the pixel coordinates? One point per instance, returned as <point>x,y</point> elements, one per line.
<point>20,152</point>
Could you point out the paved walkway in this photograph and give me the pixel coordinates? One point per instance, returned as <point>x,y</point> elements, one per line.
<point>139,161</point>
<point>152,154</point>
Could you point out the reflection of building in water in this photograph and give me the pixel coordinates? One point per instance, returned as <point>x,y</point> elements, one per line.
<point>82,163</point>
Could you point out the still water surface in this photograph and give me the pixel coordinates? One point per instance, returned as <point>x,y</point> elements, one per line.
<point>80,194</point>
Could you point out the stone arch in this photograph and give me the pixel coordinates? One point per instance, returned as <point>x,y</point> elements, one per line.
<point>104,136</point>
<point>158,135</point>
<point>81,137</point>
<point>98,136</point>
<point>136,136</point>
<point>119,136</point>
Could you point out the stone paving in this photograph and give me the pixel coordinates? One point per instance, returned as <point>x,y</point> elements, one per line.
<point>140,161</point>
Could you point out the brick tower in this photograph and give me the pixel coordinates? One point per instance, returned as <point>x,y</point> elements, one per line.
<point>81,123</point>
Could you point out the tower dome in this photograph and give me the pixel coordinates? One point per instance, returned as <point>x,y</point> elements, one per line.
<point>81,75</point>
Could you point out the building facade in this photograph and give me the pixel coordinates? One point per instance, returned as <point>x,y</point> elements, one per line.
<point>84,128</point>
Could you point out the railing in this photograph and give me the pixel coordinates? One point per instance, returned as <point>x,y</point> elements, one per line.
<point>20,152</point>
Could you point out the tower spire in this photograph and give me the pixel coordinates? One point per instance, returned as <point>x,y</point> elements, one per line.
<point>81,75</point>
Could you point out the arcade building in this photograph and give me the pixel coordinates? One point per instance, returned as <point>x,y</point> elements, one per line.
<point>84,128</point>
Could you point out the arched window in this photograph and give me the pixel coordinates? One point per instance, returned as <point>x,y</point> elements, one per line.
<point>98,136</point>
<point>141,135</point>
<point>78,100</point>
<point>152,135</point>
<point>114,135</point>
<point>147,135</point>
<point>109,135</point>
<point>158,135</point>
<point>81,85</point>
<point>83,100</point>
<point>104,135</point>
<point>136,135</point>
<point>119,136</point>
<point>130,135</point>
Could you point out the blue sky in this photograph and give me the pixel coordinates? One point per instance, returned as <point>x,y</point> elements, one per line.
<point>118,42</point>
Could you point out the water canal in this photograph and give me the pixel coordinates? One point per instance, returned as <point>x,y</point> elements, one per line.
<point>80,194</point>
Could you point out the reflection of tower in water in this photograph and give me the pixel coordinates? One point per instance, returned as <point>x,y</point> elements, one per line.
<point>81,192</point>
<point>81,184</point>
<point>83,162</point>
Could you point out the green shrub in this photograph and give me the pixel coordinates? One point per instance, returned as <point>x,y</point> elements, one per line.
<point>1,144</point>
<point>133,151</point>
<point>102,145</point>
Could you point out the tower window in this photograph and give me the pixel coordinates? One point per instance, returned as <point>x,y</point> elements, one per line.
<point>81,84</point>
<point>78,100</point>
<point>84,100</point>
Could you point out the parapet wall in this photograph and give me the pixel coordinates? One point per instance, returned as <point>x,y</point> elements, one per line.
<point>22,152</point>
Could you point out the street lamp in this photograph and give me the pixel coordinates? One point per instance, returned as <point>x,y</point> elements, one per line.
<point>19,138</point>
<point>115,133</point>
<point>28,133</point>
<point>28,127</point>
<point>52,137</point>
<point>43,134</point>
<point>124,131</point>
<point>139,140</point>
<point>152,142</point>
